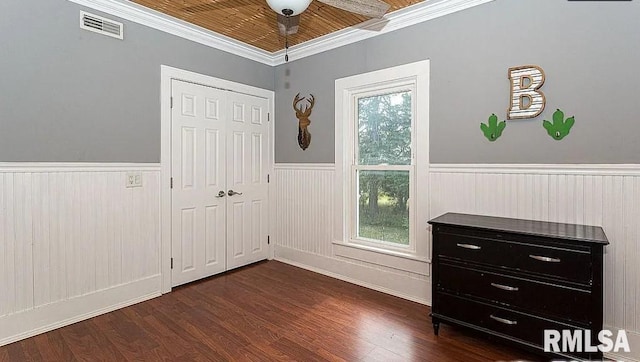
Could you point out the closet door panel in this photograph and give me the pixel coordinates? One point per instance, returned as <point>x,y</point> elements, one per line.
<point>248,144</point>
<point>199,175</point>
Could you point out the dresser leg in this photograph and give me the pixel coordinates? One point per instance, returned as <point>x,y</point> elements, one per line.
<point>436,327</point>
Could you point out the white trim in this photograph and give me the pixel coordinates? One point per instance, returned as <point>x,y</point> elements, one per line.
<point>167,74</point>
<point>386,257</point>
<point>416,76</point>
<point>544,169</point>
<point>401,286</point>
<point>142,15</point>
<point>396,253</point>
<point>411,15</point>
<point>305,166</point>
<point>402,18</point>
<point>76,167</point>
<point>209,81</point>
<point>46,318</point>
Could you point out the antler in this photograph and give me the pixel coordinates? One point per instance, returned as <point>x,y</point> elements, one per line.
<point>312,101</point>
<point>306,112</point>
<point>297,100</point>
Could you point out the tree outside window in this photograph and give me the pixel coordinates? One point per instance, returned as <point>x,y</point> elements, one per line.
<point>383,166</point>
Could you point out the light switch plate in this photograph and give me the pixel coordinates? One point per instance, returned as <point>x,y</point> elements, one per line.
<point>134,179</point>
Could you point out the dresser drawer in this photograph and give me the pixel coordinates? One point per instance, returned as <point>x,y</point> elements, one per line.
<point>502,321</point>
<point>524,294</point>
<point>553,261</point>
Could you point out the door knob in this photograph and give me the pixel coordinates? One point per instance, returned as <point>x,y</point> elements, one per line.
<point>231,193</point>
<point>220,194</point>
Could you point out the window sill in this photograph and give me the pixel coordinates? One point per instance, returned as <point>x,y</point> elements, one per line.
<point>389,258</point>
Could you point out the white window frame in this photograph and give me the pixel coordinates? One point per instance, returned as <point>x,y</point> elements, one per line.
<point>413,77</point>
<point>352,212</point>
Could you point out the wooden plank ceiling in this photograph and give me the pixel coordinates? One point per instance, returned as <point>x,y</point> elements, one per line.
<point>253,22</point>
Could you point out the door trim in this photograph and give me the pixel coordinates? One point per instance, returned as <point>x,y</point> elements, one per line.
<point>167,74</point>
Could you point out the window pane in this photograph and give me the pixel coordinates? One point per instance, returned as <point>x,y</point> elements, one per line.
<point>383,211</point>
<point>384,129</point>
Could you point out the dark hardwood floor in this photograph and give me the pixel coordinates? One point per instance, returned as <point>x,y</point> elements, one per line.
<point>268,311</point>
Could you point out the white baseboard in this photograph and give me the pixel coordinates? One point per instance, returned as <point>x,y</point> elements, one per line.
<point>402,286</point>
<point>634,344</point>
<point>42,319</point>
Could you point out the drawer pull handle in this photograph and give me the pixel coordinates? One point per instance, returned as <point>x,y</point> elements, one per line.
<point>469,246</point>
<point>502,320</point>
<point>545,258</point>
<point>505,287</point>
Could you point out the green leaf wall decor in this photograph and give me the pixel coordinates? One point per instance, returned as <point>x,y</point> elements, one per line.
<point>493,129</point>
<point>560,127</point>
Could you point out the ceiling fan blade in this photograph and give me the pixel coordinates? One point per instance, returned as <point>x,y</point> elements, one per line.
<point>288,25</point>
<point>370,8</point>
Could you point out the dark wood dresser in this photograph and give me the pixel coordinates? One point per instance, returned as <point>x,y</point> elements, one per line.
<point>512,278</point>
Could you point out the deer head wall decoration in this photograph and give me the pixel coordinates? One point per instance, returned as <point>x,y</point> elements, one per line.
<point>304,137</point>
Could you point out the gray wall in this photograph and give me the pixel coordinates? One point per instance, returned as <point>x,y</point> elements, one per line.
<point>71,95</point>
<point>590,52</point>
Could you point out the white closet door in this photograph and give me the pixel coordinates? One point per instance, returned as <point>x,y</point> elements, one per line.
<point>198,165</point>
<point>247,165</point>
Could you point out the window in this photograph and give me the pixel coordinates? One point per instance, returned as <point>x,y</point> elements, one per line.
<point>381,156</point>
<point>383,167</point>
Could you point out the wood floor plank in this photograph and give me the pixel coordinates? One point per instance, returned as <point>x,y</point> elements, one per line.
<point>15,352</point>
<point>180,342</point>
<point>42,343</point>
<point>267,311</point>
<point>56,343</point>
<point>380,354</point>
<point>31,351</point>
<point>83,345</point>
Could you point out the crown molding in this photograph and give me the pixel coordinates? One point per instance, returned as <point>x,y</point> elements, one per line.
<point>139,14</point>
<point>411,15</point>
<point>420,12</point>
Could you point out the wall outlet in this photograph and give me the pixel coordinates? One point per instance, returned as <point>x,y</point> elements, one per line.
<point>134,179</point>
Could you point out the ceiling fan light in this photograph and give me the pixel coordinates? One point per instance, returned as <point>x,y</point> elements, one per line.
<point>296,6</point>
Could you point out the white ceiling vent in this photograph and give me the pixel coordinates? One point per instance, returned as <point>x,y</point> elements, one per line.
<point>101,25</point>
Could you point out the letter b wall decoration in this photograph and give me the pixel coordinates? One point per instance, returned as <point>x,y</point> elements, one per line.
<point>526,101</point>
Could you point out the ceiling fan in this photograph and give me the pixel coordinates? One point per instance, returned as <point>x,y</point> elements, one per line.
<point>293,8</point>
<point>289,12</point>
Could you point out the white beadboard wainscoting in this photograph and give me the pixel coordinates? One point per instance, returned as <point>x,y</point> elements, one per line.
<point>304,224</point>
<point>602,195</point>
<point>75,243</point>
